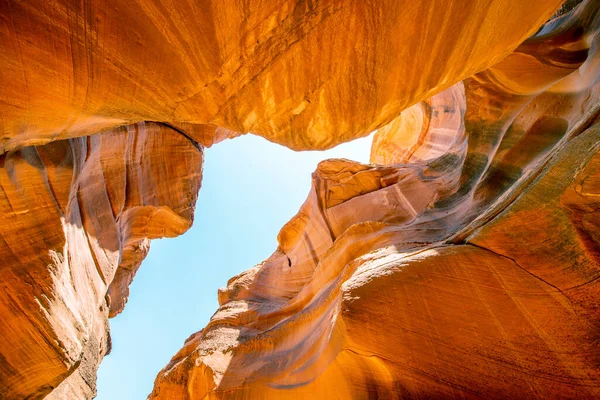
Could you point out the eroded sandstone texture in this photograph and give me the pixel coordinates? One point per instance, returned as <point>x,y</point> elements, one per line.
<point>466,267</point>
<point>464,262</point>
<point>77,216</point>
<point>278,68</point>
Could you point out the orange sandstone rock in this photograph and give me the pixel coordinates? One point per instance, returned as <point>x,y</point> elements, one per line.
<point>385,315</point>
<point>464,265</point>
<point>468,267</point>
<point>278,68</point>
<point>76,220</point>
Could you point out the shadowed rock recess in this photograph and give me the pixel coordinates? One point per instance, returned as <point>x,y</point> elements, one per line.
<point>464,262</point>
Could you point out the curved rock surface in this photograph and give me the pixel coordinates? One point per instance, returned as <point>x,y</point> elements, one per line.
<point>76,220</point>
<point>465,268</point>
<point>463,263</point>
<point>277,68</point>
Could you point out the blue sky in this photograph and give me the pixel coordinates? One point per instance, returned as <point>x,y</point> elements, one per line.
<point>250,189</point>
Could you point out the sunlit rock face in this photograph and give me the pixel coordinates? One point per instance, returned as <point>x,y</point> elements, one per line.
<point>307,74</point>
<point>465,265</point>
<point>76,220</point>
<point>462,263</point>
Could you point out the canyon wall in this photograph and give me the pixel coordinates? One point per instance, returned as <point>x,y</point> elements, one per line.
<point>77,216</point>
<point>466,266</point>
<point>277,68</point>
<point>463,262</point>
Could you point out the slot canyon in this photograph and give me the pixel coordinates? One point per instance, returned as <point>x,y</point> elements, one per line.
<point>462,262</point>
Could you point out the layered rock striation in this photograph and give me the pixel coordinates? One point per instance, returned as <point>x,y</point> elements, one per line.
<point>463,262</point>
<point>277,68</point>
<point>76,220</point>
<point>467,266</point>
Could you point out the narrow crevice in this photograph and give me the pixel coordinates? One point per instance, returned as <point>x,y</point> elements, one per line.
<point>188,137</point>
<point>518,265</point>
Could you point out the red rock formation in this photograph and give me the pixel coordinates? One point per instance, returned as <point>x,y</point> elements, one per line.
<point>76,220</point>
<point>277,68</point>
<point>468,267</point>
<point>465,265</point>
